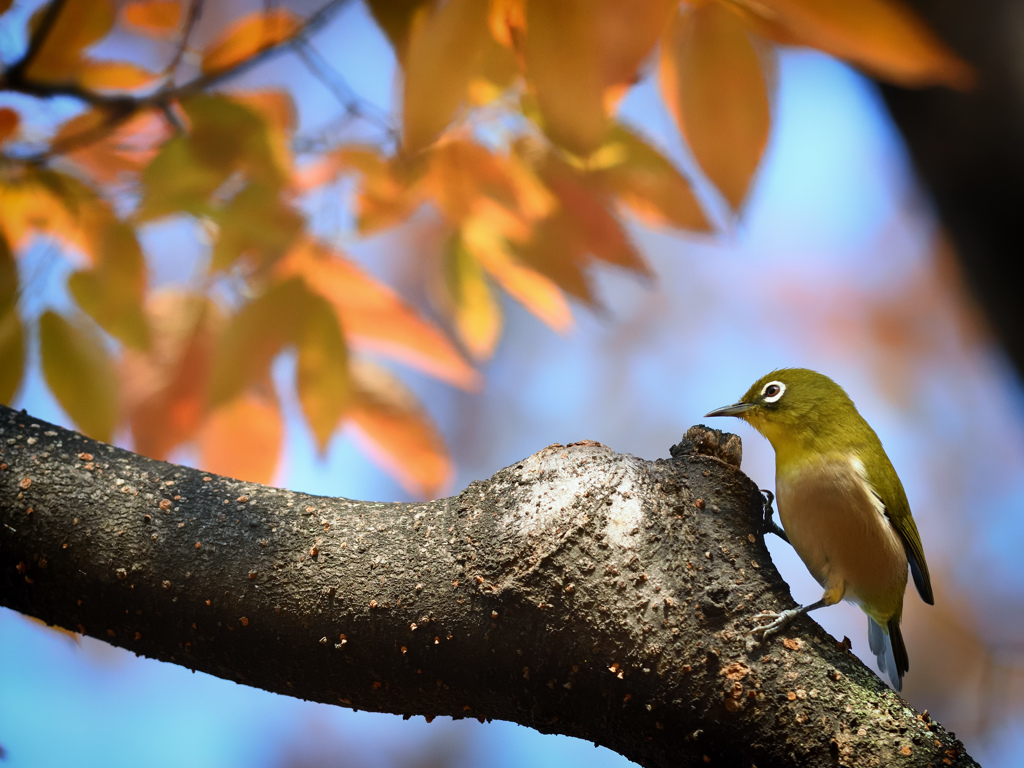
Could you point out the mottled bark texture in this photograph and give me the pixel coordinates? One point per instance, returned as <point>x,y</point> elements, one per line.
<point>968,149</point>
<point>579,591</point>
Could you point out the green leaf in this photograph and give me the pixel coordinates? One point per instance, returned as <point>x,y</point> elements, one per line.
<point>255,335</point>
<point>80,374</point>
<point>322,375</point>
<point>177,181</point>
<point>224,138</point>
<point>256,222</point>
<point>112,292</point>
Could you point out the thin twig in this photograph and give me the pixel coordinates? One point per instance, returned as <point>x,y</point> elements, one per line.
<point>195,9</point>
<point>122,108</point>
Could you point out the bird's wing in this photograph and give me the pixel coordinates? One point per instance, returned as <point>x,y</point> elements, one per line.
<point>897,509</point>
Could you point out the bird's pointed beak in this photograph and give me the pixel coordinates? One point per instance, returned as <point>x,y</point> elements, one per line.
<point>736,409</point>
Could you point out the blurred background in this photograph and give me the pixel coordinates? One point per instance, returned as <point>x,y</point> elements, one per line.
<point>837,262</point>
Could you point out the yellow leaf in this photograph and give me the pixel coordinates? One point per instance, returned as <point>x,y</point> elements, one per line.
<point>249,36</point>
<point>113,290</point>
<point>563,63</point>
<point>711,79</point>
<point>80,374</point>
<point>388,191</point>
<point>35,201</point>
<point>12,337</point>
<point>165,385</point>
<point>78,24</point>
<point>154,17</point>
<point>477,315</point>
<point>321,375</point>
<point>113,75</point>
<point>394,430</point>
<point>9,120</point>
<point>374,318</point>
<point>445,46</point>
<point>650,184</point>
<point>243,438</point>
<point>884,37</point>
<point>530,288</point>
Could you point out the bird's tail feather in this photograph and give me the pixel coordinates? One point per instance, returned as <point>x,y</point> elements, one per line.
<point>889,649</point>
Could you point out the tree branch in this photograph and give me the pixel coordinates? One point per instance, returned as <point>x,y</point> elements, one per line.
<point>580,592</point>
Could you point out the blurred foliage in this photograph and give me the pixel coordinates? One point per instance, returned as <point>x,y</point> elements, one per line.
<point>507,129</point>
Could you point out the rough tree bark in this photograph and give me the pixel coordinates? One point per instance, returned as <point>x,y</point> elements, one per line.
<point>580,592</point>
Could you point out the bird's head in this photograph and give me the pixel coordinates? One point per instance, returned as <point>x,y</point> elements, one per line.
<point>792,406</point>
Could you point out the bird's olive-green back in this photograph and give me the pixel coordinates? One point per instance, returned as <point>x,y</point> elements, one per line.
<point>814,417</point>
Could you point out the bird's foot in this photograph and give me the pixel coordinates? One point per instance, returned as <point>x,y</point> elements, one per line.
<point>768,525</point>
<point>779,621</point>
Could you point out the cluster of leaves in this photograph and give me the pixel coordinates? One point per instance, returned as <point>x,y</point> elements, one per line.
<point>507,130</point>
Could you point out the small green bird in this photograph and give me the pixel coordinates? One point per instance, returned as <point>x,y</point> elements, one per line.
<point>842,505</point>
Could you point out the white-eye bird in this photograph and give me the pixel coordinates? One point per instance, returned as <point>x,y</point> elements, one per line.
<point>842,505</point>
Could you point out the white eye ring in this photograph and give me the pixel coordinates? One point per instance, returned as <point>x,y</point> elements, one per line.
<point>778,389</point>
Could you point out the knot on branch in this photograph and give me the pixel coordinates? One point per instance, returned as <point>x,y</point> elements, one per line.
<point>704,441</point>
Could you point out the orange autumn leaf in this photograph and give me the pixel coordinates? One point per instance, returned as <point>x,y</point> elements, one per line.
<point>585,212</point>
<point>248,36</point>
<point>467,179</point>
<point>243,438</point>
<point>391,426</point>
<point>445,44</point>
<point>113,75</point>
<point>527,286</point>
<point>711,79</point>
<point>165,385</point>
<point>884,37</point>
<point>374,318</point>
<point>563,55</point>
<point>107,153</point>
<point>77,25</point>
<point>628,33</point>
<point>154,17</point>
<point>650,184</point>
<point>9,120</point>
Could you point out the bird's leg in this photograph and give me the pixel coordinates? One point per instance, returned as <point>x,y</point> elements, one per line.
<point>781,620</point>
<point>768,525</point>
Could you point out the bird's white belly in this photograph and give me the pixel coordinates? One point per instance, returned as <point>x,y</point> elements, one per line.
<point>839,529</point>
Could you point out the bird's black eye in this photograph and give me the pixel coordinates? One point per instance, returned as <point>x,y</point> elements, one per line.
<point>772,391</point>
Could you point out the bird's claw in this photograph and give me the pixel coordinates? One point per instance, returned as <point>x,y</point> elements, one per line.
<point>779,621</point>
